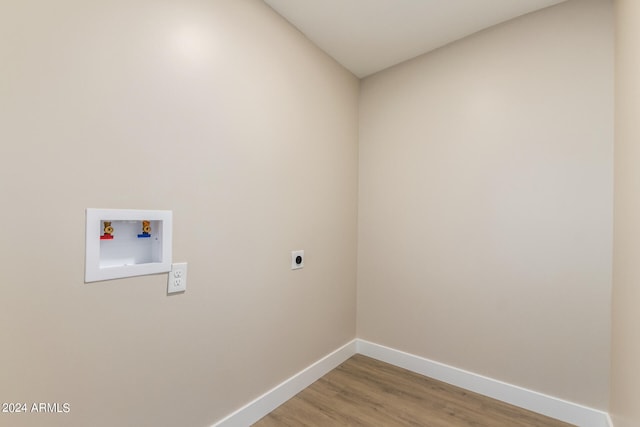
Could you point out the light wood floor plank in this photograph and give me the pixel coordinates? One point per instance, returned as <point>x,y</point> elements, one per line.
<point>366,392</point>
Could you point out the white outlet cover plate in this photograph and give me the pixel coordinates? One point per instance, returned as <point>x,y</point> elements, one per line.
<point>177,278</point>
<point>294,255</point>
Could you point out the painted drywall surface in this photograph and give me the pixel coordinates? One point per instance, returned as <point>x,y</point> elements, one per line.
<point>625,373</point>
<point>219,111</point>
<point>485,204</point>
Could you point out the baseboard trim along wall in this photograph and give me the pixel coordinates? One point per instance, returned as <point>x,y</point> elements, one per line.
<point>609,421</point>
<point>563,410</point>
<point>537,402</point>
<point>275,397</point>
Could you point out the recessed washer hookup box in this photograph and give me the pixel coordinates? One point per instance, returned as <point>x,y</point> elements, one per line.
<point>126,242</point>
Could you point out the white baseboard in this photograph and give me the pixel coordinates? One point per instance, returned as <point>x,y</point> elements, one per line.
<point>609,421</point>
<point>559,409</point>
<point>275,397</point>
<point>563,410</point>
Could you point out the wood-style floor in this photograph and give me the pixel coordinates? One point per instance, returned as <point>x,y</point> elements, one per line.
<point>366,392</point>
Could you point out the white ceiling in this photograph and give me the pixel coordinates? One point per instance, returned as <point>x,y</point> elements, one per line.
<point>367,36</point>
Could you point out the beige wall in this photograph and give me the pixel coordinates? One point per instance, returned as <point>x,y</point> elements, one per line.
<point>625,375</point>
<point>485,205</point>
<point>218,110</point>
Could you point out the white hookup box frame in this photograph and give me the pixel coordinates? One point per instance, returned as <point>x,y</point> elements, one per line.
<point>132,243</point>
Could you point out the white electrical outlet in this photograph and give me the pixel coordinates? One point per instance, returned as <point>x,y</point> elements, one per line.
<point>297,260</point>
<point>177,278</point>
